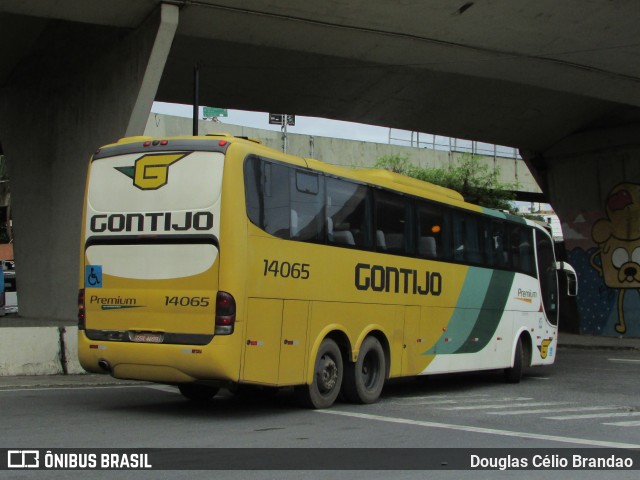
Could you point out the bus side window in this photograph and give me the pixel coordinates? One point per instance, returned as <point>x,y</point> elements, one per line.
<point>391,222</point>
<point>348,220</point>
<point>474,245</point>
<point>267,196</point>
<point>307,207</point>
<point>521,249</point>
<point>458,236</point>
<point>253,189</point>
<point>277,215</point>
<point>497,254</point>
<point>468,241</point>
<point>431,229</point>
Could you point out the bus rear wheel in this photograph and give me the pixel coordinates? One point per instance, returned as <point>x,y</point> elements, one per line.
<point>327,377</point>
<point>514,374</point>
<point>197,393</point>
<point>364,379</point>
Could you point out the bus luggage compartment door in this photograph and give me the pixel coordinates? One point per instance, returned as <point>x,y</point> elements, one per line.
<point>275,342</point>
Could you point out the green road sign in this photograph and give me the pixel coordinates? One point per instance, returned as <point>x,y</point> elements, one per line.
<point>211,112</point>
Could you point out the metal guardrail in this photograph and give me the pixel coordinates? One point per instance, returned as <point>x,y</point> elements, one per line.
<point>448,144</point>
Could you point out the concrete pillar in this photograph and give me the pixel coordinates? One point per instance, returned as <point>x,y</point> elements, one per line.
<point>50,123</point>
<point>594,186</point>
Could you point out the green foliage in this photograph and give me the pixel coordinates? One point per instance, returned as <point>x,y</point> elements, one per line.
<point>395,163</point>
<point>476,182</point>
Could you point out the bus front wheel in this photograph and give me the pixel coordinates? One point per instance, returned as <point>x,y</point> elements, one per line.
<point>197,393</point>
<point>327,377</point>
<point>364,379</point>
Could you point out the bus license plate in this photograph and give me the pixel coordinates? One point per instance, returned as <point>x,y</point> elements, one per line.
<point>147,337</point>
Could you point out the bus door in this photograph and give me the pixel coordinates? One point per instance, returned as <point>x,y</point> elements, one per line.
<point>547,275</point>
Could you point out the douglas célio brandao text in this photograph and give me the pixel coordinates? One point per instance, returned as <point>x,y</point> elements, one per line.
<point>570,461</point>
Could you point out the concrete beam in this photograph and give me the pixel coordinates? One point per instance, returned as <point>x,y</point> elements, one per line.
<point>50,123</point>
<point>153,70</point>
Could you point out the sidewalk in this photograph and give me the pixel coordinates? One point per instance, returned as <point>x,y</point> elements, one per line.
<point>570,340</point>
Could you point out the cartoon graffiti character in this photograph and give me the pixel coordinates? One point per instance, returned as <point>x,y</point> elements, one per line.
<point>618,239</point>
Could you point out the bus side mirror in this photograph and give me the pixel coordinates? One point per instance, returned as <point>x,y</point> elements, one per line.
<point>572,278</point>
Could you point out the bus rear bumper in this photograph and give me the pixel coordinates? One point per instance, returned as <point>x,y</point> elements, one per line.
<point>161,363</point>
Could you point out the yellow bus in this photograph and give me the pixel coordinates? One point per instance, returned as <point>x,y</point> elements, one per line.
<point>214,261</point>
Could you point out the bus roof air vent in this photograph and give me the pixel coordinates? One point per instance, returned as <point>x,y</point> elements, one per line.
<point>229,136</point>
<point>251,139</point>
<point>219,134</point>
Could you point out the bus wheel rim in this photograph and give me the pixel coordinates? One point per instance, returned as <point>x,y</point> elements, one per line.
<point>327,374</point>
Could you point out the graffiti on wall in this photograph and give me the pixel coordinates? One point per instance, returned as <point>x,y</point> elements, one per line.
<point>607,259</point>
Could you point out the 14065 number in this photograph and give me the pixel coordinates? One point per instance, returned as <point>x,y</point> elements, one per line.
<point>286,269</point>
<point>187,301</point>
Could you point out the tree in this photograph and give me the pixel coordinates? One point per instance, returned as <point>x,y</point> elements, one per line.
<point>475,181</point>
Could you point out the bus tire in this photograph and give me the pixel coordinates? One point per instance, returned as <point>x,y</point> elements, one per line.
<point>197,393</point>
<point>514,374</point>
<point>327,377</point>
<point>364,379</point>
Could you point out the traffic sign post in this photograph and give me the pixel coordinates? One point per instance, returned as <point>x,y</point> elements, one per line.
<point>284,120</point>
<point>278,119</point>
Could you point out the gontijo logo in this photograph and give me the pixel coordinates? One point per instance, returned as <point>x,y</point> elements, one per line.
<point>151,172</point>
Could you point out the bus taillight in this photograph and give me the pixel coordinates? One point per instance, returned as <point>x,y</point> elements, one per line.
<point>225,313</point>
<point>81,314</point>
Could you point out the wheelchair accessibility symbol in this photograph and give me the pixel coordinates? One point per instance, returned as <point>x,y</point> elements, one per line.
<point>93,276</point>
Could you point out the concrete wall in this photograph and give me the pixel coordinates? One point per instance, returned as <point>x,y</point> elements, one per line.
<point>350,153</point>
<point>39,351</point>
<point>594,181</point>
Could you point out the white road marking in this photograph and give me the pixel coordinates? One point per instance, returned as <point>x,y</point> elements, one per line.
<point>490,431</point>
<point>555,410</point>
<point>445,401</point>
<point>595,415</point>
<point>631,423</point>
<point>624,360</point>
<point>441,397</point>
<point>498,406</point>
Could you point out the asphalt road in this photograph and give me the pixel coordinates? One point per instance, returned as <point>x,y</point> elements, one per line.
<point>589,398</point>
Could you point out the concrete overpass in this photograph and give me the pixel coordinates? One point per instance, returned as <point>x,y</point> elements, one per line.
<point>559,80</point>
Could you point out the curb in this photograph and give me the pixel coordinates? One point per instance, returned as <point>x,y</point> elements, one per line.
<point>68,381</point>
